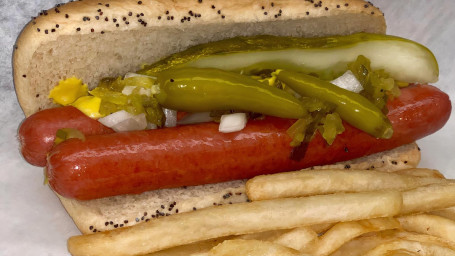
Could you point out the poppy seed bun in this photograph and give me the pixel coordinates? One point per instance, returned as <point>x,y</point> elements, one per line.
<point>91,39</point>
<point>65,41</point>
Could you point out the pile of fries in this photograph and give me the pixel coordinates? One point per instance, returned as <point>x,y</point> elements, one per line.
<point>324,212</point>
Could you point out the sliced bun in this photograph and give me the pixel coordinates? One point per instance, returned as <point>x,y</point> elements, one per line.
<point>126,210</point>
<point>92,39</point>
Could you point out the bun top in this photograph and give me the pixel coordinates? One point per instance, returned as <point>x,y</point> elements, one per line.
<point>91,39</point>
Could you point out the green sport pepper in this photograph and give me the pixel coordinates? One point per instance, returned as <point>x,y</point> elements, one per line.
<point>352,107</point>
<point>198,90</point>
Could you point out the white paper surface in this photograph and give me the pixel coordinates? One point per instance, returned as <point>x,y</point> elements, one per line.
<point>32,220</point>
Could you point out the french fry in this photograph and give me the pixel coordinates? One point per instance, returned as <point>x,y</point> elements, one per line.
<point>429,198</point>
<point>421,172</point>
<point>448,213</point>
<point>252,248</point>
<point>430,225</point>
<point>236,219</point>
<point>368,243</point>
<point>307,183</point>
<point>411,248</point>
<point>360,245</point>
<point>423,238</point>
<point>264,236</point>
<point>286,237</point>
<point>343,232</point>
<point>298,239</point>
<point>321,228</point>
<point>293,238</point>
<point>193,249</point>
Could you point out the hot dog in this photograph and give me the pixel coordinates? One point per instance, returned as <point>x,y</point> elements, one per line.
<point>198,154</point>
<point>37,133</point>
<point>341,149</point>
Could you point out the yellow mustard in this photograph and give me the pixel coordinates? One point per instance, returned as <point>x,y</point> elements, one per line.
<point>89,105</point>
<point>68,91</point>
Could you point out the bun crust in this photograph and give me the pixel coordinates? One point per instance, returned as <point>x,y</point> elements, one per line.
<point>65,41</point>
<point>126,210</point>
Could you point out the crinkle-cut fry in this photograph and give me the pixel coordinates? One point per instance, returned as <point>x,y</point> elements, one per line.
<point>252,248</point>
<point>308,183</point>
<point>298,239</point>
<point>430,225</point>
<point>429,198</point>
<point>448,213</point>
<point>411,247</point>
<point>343,232</point>
<point>236,219</point>
<point>421,172</point>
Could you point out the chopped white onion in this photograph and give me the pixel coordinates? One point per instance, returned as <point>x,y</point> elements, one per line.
<point>232,122</point>
<point>145,91</point>
<point>349,82</point>
<point>195,118</point>
<point>131,74</point>
<point>155,89</point>
<point>115,118</point>
<point>151,126</point>
<point>127,90</point>
<point>138,122</point>
<point>122,121</point>
<point>124,126</point>
<point>141,119</point>
<point>171,117</point>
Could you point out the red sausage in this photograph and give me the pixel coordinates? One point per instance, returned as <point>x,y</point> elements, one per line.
<point>134,162</point>
<point>37,132</point>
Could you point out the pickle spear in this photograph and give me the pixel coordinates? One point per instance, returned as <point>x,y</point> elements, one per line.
<point>402,59</point>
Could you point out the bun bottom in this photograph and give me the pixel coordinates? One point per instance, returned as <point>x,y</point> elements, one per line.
<point>127,210</point>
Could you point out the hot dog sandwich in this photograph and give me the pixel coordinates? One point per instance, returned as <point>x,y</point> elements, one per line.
<point>92,40</point>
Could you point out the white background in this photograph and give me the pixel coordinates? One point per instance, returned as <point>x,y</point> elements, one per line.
<point>32,220</point>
